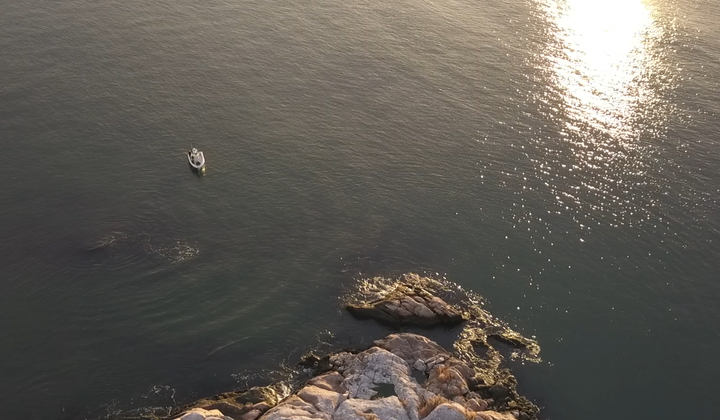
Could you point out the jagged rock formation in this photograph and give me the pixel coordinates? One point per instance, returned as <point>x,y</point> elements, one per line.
<point>402,376</point>
<point>450,389</point>
<point>408,303</point>
<point>200,414</point>
<point>245,405</point>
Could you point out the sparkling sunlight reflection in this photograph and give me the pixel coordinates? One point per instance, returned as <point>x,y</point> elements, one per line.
<point>606,72</point>
<point>602,62</point>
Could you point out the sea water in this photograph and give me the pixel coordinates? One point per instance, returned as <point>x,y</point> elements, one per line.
<point>559,158</point>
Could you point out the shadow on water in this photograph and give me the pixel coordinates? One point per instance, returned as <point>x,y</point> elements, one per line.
<point>196,172</point>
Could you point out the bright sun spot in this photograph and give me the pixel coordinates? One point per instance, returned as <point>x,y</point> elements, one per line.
<point>605,72</point>
<point>601,57</point>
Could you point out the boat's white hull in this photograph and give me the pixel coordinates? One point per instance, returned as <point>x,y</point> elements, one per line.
<point>196,161</point>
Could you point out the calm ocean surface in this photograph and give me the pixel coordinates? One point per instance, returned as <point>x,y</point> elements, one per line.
<point>559,157</point>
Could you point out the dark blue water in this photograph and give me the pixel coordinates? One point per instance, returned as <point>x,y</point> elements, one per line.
<point>558,157</point>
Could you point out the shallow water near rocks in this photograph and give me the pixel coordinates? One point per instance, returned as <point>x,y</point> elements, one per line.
<point>558,158</point>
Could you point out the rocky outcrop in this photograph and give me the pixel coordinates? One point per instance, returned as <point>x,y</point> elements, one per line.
<point>244,405</point>
<point>402,376</point>
<point>200,414</point>
<point>408,303</point>
<point>351,390</point>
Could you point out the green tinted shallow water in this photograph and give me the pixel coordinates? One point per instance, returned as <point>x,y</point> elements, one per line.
<point>558,158</point>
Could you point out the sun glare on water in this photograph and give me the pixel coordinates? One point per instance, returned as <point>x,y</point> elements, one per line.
<point>604,69</point>
<point>602,61</point>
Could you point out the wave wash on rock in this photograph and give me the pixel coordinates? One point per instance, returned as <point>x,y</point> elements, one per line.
<point>413,300</point>
<point>403,376</point>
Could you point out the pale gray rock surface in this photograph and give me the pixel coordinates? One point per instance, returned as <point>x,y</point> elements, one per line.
<point>494,415</point>
<point>251,415</point>
<point>295,408</point>
<point>388,408</point>
<point>200,414</point>
<point>322,399</point>
<point>448,411</point>
<point>372,367</point>
<point>332,381</point>
<point>417,351</point>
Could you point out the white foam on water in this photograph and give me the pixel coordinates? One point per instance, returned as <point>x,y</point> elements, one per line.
<point>175,253</point>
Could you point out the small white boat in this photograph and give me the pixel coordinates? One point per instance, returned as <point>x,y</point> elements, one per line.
<point>196,159</point>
